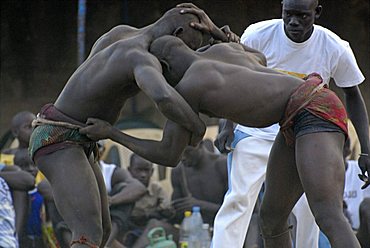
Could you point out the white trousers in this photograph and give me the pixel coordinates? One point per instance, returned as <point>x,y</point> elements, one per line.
<point>247,170</point>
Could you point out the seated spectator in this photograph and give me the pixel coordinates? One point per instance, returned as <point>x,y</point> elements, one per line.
<point>11,179</point>
<point>151,210</point>
<point>199,179</point>
<point>21,127</point>
<point>32,234</point>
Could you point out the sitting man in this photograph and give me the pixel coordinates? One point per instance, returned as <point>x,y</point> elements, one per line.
<point>153,209</point>
<point>200,179</point>
<point>231,81</point>
<point>119,67</point>
<point>14,184</point>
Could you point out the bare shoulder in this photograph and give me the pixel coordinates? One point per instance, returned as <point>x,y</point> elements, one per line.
<point>117,33</point>
<point>121,31</point>
<point>139,56</point>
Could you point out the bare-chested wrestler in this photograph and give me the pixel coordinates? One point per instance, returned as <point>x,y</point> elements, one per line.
<point>118,67</point>
<point>230,81</point>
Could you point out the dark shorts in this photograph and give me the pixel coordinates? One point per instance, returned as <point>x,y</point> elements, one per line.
<point>306,123</point>
<point>49,138</point>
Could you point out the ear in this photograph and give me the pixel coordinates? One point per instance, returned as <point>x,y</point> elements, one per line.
<point>178,31</point>
<point>164,64</point>
<point>15,132</point>
<point>318,11</point>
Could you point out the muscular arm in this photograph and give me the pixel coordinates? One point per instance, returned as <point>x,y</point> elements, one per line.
<point>175,139</point>
<point>357,113</point>
<point>169,101</point>
<point>131,192</point>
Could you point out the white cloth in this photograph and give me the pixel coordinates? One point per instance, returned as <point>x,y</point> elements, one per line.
<point>107,171</point>
<point>245,182</point>
<point>7,217</point>
<point>353,194</point>
<point>325,53</point>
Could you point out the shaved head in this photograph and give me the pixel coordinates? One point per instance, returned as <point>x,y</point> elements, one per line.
<point>311,3</point>
<point>299,17</point>
<point>180,25</point>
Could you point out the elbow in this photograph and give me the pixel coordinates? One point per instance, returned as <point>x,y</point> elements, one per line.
<point>171,161</point>
<point>166,103</point>
<point>30,183</point>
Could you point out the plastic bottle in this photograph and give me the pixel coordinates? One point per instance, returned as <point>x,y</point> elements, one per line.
<point>205,237</point>
<point>185,230</point>
<point>196,228</point>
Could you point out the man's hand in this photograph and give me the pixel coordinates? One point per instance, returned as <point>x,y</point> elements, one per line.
<point>195,139</point>
<point>231,36</point>
<point>364,163</point>
<point>97,129</point>
<point>184,204</point>
<point>206,25</point>
<point>225,136</point>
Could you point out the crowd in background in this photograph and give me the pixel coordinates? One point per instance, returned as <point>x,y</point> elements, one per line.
<point>29,217</point>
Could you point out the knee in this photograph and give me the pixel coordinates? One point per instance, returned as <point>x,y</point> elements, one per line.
<point>327,216</point>
<point>365,208</point>
<point>272,221</point>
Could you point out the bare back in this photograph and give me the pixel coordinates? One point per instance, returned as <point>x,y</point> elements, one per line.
<point>102,84</point>
<point>231,83</point>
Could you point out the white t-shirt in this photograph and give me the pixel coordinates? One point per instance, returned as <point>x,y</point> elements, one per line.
<point>107,171</point>
<point>324,52</point>
<point>353,194</point>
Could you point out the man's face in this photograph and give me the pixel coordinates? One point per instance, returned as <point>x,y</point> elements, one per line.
<point>142,170</point>
<point>25,129</point>
<point>299,17</point>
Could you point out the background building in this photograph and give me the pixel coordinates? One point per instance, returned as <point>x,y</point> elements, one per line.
<point>39,42</point>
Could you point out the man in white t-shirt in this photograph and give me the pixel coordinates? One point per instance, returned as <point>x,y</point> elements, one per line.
<point>353,194</point>
<point>296,46</point>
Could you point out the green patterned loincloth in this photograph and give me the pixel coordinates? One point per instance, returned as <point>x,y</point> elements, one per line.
<point>56,136</point>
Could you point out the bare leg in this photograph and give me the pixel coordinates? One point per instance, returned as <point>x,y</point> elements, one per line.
<point>75,192</point>
<point>283,189</point>
<point>106,221</point>
<point>364,229</point>
<point>321,168</point>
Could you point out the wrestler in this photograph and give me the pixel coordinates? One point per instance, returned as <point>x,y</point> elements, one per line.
<point>228,76</point>
<point>119,66</point>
